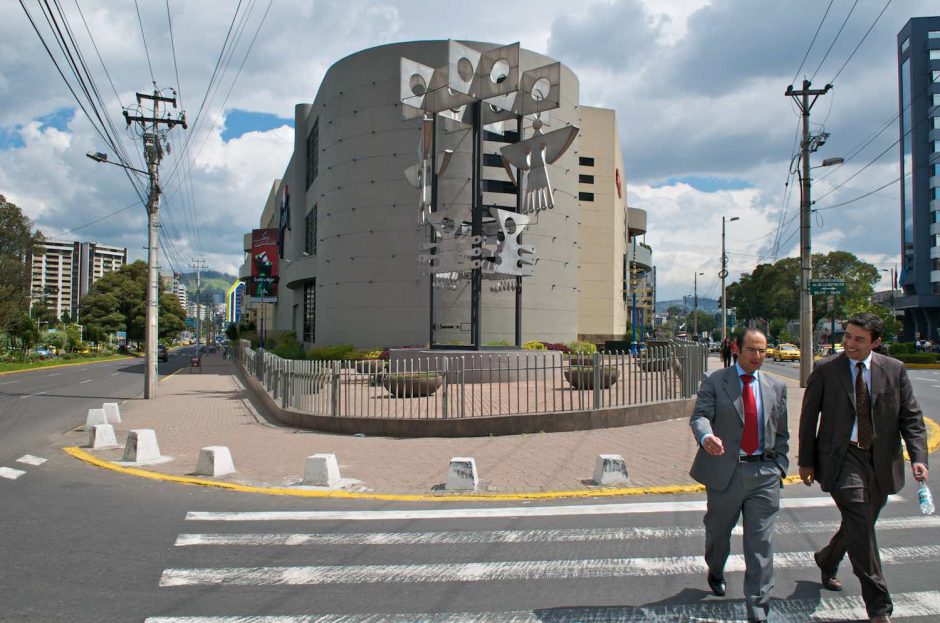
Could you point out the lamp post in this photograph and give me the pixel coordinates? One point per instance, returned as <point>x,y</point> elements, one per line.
<point>724,274</point>
<point>695,305</point>
<point>810,144</point>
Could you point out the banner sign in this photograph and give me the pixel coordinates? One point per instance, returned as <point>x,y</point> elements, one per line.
<point>264,255</point>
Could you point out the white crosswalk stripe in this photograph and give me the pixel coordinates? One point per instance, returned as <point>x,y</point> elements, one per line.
<point>355,559</point>
<point>917,604</point>
<point>10,473</point>
<point>29,459</point>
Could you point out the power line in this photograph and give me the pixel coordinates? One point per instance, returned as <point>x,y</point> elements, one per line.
<point>144,37</point>
<point>818,28</point>
<point>836,38</point>
<point>885,8</point>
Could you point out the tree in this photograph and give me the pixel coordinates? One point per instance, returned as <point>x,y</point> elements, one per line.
<point>706,321</point>
<point>118,302</point>
<point>23,332</point>
<point>18,243</point>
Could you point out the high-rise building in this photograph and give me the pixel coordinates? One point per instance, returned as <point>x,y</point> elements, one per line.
<point>65,272</point>
<point>919,103</point>
<point>233,301</point>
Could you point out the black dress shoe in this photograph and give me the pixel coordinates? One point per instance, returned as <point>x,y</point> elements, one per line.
<point>717,585</point>
<point>829,581</point>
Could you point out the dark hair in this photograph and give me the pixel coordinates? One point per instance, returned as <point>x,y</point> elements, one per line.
<point>739,340</point>
<point>869,322</point>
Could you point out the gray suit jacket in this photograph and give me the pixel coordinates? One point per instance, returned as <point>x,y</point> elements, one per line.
<point>719,410</point>
<point>829,413</point>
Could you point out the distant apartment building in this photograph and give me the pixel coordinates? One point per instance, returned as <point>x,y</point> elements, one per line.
<point>65,272</point>
<point>233,301</point>
<point>919,118</point>
<point>173,284</point>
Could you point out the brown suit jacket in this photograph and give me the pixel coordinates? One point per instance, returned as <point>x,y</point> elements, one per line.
<point>829,402</point>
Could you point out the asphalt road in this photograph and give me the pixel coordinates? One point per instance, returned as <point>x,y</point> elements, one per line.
<point>82,544</point>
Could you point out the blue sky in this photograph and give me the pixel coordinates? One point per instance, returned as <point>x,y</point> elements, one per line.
<point>10,137</point>
<point>239,122</point>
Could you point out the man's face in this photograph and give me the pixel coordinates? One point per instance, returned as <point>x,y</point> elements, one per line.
<point>858,343</point>
<point>752,353</point>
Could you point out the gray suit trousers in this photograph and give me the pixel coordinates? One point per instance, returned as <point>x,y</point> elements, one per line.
<point>754,492</point>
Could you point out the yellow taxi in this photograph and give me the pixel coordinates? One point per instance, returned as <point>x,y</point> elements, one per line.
<point>786,352</point>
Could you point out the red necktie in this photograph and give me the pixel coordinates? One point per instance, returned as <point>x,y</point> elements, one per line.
<point>749,438</point>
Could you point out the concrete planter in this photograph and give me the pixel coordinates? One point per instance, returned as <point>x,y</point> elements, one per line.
<point>411,385</point>
<point>582,377</point>
<point>371,366</point>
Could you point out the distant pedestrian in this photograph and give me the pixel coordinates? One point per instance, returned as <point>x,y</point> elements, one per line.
<point>726,352</point>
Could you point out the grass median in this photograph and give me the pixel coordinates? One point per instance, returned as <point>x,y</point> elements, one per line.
<point>22,366</point>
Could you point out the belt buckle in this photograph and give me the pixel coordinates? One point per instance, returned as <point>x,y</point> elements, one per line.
<point>859,446</point>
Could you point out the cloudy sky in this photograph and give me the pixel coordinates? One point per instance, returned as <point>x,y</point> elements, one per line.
<point>698,87</point>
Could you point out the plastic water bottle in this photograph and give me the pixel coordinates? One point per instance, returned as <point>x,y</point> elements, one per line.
<point>925,498</point>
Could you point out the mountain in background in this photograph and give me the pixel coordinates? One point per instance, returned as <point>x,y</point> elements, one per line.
<point>704,304</point>
<point>213,285</point>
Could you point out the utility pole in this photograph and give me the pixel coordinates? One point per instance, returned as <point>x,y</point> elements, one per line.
<point>199,265</point>
<point>695,305</point>
<point>724,274</point>
<point>802,100</point>
<point>153,153</point>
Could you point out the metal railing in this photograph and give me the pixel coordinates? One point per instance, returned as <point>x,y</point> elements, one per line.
<point>478,384</point>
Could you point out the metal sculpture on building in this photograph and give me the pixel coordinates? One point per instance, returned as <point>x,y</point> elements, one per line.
<point>482,88</point>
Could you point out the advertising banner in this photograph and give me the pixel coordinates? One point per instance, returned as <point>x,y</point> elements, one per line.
<point>264,255</point>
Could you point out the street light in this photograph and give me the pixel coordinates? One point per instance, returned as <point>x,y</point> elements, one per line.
<point>806,256</point>
<point>151,375</point>
<point>695,305</point>
<point>723,274</point>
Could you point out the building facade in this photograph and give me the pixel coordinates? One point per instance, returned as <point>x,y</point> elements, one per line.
<point>350,270</point>
<point>233,302</point>
<point>919,105</point>
<point>65,272</point>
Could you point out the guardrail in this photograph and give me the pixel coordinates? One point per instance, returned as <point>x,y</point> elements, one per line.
<point>469,385</point>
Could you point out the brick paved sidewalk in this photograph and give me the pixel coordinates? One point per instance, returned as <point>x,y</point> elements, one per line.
<point>212,408</point>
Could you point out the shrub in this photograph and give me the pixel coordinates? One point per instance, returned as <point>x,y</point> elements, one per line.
<point>582,348</point>
<point>372,354</point>
<point>901,348</point>
<point>498,343</point>
<point>533,345</point>
<point>331,353</point>
<point>918,357</point>
<point>556,346</point>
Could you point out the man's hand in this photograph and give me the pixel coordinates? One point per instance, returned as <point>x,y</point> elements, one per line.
<point>920,471</point>
<point>807,475</point>
<point>713,445</point>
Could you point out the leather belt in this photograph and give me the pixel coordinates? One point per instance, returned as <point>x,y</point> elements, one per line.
<point>752,458</point>
<point>858,446</point>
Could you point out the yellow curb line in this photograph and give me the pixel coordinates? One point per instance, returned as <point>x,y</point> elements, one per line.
<point>66,365</point>
<point>933,435</point>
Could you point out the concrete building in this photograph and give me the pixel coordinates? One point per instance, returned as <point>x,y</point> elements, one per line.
<point>350,271</point>
<point>233,301</point>
<point>65,272</point>
<point>919,103</point>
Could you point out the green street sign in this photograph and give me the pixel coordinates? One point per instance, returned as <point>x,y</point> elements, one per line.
<point>827,286</point>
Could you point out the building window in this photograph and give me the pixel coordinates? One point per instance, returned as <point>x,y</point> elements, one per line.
<point>310,232</point>
<point>933,34</point>
<point>310,311</point>
<point>585,179</point>
<point>934,55</point>
<point>905,44</point>
<point>313,152</point>
<point>935,76</point>
<point>936,99</point>
<point>584,161</point>
<point>936,123</point>
<point>492,160</point>
<point>499,186</point>
<point>585,196</point>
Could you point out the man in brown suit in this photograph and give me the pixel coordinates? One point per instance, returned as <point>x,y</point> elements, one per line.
<point>863,404</point>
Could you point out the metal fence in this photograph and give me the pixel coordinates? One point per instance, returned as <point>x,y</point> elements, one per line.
<point>470,385</point>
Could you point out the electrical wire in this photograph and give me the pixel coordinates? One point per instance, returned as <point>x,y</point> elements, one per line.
<point>885,8</point>
<point>818,28</point>
<point>144,37</point>
<point>836,38</point>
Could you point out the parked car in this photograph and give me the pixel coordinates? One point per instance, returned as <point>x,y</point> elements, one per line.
<point>43,352</point>
<point>787,352</point>
<point>162,353</point>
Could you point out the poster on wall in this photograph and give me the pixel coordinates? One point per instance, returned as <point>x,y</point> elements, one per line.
<point>264,255</point>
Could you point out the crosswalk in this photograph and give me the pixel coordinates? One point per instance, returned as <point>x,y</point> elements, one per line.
<point>12,473</point>
<point>384,555</point>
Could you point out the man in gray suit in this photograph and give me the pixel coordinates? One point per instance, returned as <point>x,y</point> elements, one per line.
<point>740,423</point>
<point>857,407</point>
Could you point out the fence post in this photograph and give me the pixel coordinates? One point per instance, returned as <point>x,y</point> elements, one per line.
<point>444,370</point>
<point>284,380</point>
<point>334,398</point>
<point>597,380</point>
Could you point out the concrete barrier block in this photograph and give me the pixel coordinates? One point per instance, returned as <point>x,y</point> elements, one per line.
<point>113,412</point>
<point>101,436</point>
<point>462,474</point>
<point>215,461</point>
<point>141,446</point>
<point>321,470</point>
<point>95,416</point>
<point>610,469</point>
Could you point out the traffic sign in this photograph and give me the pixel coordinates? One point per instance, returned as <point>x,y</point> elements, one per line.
<point>827,286</point>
